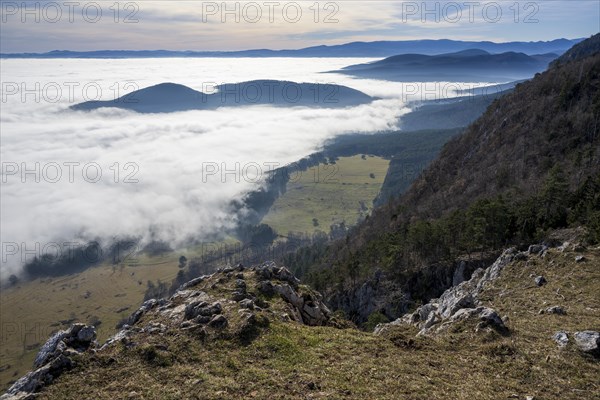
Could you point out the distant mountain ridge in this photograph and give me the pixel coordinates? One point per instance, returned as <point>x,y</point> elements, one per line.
<point>472,65</point>
<point>172,97</point>
<point>354,49</point>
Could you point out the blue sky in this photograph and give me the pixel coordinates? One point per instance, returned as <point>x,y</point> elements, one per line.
<point>205,25</point>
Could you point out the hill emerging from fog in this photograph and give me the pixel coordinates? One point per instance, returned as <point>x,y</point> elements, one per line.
<point>172,97</point>
<point>473,65</point>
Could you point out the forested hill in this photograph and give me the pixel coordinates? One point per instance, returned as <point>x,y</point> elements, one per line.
<point>550,121</point>
<point>580,50</point>
<point>530,164</point>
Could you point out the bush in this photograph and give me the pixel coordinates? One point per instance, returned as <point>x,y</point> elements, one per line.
<point>374,319</point>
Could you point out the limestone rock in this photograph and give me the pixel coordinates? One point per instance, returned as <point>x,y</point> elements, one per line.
<point>53,359</point>
<point>312,311</point>
<point>266,288</point>
<point>458,303</point>
<point>269,270</point>
<point>193,282</point>
<point>588,342</point>
<point>561,338</point>
<point>218,322</point>
<point>86,334</point>
<point>48,349</point>
<point>455,299</point>
<point>554,310</point>
<point>487,317</point>
<point>201,308</point>
<point>247,303</point>
<point>536,249</point>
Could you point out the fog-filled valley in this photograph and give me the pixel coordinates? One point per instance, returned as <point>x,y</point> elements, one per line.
<point>151,185</point>
<point>297,211</point>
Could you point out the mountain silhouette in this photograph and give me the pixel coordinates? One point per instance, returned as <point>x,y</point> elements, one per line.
<point>173,97</point>
<point>472,65</point>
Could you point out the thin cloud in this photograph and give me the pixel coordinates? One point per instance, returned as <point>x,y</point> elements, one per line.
<point>182,26</point>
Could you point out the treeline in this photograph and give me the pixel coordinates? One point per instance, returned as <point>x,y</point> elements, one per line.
<point>58,259</point>
<point>537,147</point>
<point>409,152</point>
<point>486,225</point>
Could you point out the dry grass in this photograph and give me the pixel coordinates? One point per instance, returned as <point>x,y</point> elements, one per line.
<point>30,312</point>
<point>329,193</point>
<point>291,361</point>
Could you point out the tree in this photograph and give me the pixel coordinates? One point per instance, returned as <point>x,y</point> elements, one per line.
<point>555,200</point>
<point>257,234</point>
<point>178,281</point>
<point>353,270</point>
<point>13,280</point>
<point>373,320</point>
<point>182,262</point>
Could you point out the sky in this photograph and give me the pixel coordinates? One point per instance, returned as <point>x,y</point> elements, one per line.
<point>40,26</point>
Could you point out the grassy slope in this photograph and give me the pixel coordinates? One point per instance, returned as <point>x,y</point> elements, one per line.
<point>329,193</point>
<point>297,362</point>
<point>30,312</point>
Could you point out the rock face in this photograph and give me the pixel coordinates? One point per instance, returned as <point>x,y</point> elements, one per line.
<point>384,294</point>
<point>53,359</point>
<point>459,303</point>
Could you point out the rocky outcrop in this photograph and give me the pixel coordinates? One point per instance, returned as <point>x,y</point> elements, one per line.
<point>145,307</point>
<point>537,249</point>
<point>460,302</point>
<point>307,306</point>
<point>229,304</point>
<point>55,357</point>
<point>384,294</point>
<point>487,317</point>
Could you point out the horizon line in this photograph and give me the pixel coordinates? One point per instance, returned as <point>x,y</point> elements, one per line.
<point>285,49</point>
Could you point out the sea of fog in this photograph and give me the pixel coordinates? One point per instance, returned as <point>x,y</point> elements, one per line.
<point>71,177</point>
